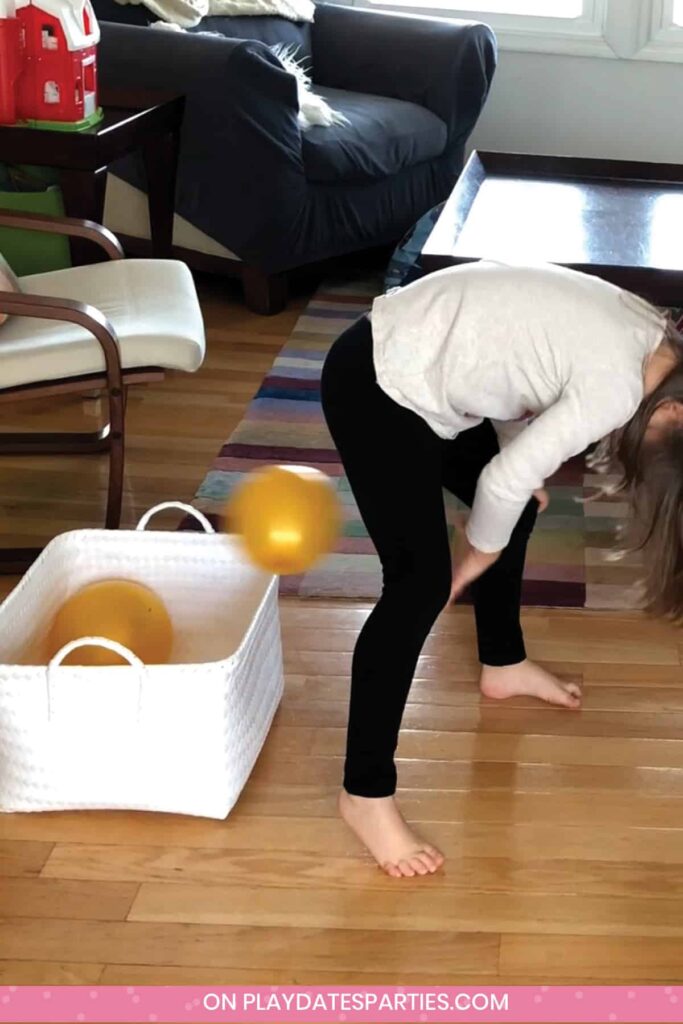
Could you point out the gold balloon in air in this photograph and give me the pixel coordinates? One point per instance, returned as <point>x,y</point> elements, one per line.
<point>288,517</point>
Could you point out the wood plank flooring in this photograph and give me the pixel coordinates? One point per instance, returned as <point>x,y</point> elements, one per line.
<point>564,831</point>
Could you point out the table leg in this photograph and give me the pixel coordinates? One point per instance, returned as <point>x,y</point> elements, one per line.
<point>161,163</point>
<point>83,193</point>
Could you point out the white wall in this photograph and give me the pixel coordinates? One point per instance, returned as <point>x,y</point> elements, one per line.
<point>584,106</point>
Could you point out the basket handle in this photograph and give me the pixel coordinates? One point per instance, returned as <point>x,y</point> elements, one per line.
<point>208,528</point>
<point>94,641</point>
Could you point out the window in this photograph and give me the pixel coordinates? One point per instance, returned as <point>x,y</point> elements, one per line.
<point>551,26</point>
<point>639,29</point>
<point>51,93</point>
<point>508,12</point>
<point>89,76</point>
<point>538,8</point>
<point>665,41</point>
<point>48,37</point>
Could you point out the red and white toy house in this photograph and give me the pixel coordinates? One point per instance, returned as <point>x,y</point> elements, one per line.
<point>57,75</point>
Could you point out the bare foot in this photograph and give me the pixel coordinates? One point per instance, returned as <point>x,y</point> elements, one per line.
<point>381,827</point>
<point>528,680</point>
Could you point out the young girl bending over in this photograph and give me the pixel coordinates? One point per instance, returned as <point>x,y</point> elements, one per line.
<point>484,379</point>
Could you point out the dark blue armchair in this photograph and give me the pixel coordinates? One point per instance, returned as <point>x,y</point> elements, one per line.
<point>412,89</point>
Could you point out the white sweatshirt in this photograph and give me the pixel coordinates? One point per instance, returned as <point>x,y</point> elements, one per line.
<point>514,344</point>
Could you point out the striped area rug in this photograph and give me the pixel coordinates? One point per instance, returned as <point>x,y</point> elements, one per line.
<point>567,564</point>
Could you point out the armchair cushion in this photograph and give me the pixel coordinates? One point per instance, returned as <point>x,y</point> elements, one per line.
<point>383,137</point>
<point>151,304</point>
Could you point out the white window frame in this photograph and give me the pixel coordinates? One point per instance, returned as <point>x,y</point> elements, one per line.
<point>614,29</point>
<point>665,40</point>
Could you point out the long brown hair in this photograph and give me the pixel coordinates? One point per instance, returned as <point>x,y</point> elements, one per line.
<point>651,474</point>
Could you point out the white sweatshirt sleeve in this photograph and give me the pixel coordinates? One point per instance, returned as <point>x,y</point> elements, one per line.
<point>579,418</point>
<point>508,430</point>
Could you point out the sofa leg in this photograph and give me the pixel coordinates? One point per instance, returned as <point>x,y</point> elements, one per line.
<point>264,293</point>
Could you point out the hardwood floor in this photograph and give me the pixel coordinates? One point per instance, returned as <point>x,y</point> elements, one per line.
<point>174,430</point>
<point>564,831</point>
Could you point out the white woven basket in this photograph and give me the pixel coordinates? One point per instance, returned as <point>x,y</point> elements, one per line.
<point>181,737</point>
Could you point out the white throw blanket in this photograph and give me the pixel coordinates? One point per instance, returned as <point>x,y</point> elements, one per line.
<point>188,13</point>
<point>313,109</point>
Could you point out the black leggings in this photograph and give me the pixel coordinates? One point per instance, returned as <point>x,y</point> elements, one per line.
<point>397,467</point>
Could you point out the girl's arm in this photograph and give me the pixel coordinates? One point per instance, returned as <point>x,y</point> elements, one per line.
<point>508,430</point>
<point>586,412</point>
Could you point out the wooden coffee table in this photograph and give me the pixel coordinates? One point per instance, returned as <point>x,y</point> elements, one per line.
<point>146,122</point>
<point>620,220</point>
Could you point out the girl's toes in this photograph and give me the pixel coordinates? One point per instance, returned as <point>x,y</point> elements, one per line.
<point>574,690</point>
<point>562,697</point>
<point>406,870</point>
<point>429,862</point>
<point>418,865</point>
<point>429,859</point>
<point>392,870</point>
<point>435,854</point>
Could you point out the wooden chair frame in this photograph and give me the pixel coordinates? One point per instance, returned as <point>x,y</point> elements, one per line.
<point>114,381</point>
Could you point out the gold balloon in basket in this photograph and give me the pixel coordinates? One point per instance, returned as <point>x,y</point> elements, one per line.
<point>287,517</point>
<point>120,610</point>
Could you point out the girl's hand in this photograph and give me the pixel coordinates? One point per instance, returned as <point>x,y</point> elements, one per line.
<point>472,564</point>
<point>543,499</point>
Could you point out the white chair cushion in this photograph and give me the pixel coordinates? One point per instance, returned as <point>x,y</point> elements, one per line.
<point>8,283</point>
<point>152,305</point>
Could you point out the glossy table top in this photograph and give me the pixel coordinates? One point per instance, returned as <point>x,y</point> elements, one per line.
<point>603,216</point>
<point>622,224</point>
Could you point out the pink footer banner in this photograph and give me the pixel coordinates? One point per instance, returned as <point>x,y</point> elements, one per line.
<point>238,1004</point>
